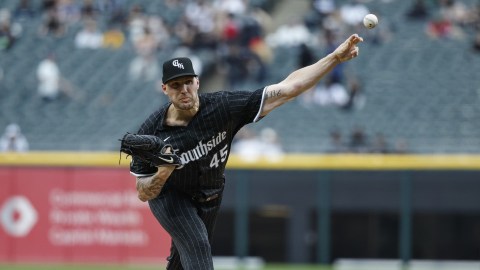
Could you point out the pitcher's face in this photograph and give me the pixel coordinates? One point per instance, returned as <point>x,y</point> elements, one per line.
<point>183,92</point>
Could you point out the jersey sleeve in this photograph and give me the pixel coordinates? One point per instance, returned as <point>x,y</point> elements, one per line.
<point>245,107</point>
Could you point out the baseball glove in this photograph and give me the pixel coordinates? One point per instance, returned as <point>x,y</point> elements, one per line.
<point>150,149</point>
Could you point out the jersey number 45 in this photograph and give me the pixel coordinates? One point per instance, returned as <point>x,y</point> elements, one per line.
<point>219,157</point>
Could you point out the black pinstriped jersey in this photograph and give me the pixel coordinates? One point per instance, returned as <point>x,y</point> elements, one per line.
<point>204,144</point>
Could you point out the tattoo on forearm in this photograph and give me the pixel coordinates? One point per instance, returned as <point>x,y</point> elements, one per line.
<point>273,93</point>
<point>149,188</point>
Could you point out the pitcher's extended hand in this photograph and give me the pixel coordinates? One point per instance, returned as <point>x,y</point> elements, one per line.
<point>348,49</point>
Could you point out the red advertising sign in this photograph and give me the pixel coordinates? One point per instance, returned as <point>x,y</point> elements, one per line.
<point>70,214</point>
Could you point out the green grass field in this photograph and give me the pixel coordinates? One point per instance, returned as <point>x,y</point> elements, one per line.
<point>137,267</point>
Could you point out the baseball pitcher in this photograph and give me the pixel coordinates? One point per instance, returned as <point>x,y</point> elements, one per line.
<point>180,152</point>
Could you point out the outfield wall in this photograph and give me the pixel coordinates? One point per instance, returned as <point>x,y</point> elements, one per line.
<point>70,214</point>
<point>82,207</point>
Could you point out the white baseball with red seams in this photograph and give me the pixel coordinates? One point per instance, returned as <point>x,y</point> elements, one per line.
<point>370,21</point>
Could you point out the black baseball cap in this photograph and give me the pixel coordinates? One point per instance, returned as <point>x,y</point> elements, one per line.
<point>177,67</point>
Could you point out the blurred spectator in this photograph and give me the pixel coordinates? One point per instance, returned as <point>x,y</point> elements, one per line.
<point>48,5</point>
<point>113,38</point>
<point>331,93</point>
<point>324,7</point>
<point>9,31</point>
<point>48,75</point>
<point>114,11</point>
<point>51,24</point>
<point>262,18</point>
<point>356,98</point>
<point>250,30</point>
<point>352,13</point>
<point>89,37</point>
<point>441,27</point>
<point>200,14</point>
<point>6,38</point>
<point>24,11</point>
<point>454,11</point>
<point>185,33</point>
<point>272,148</point>
<point>337,145</point>
<point>69,12</point>
<point>259,54</point>
<point>244,52</point>
<point>88,10</point>
<point>358,141</point>
<point>418,10</point>
<point>50,82</point>
<point>229,28</point>
<point>154,27</point>
<point>13,140</point>
<point>242,64</point>
<point>306,56</point>
<point>322,10</point>
<point>449,20</point>
<point>261,49</point>
<point>331,40</point>
<point>379,144</point>
<point>144,66</point>
<point>251,147</point>
<point>159,29</point>
<point>290,35</point>
<point>231,6</point>
<point>247,145</point>
<point>335,24</point>
<point>137,22</point>
<point>474,17</point>
<point>235,62</point>
<point>175,10</point>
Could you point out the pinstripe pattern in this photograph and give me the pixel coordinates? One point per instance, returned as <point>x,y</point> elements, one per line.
<point>204,146</point>
<point>190,224</point>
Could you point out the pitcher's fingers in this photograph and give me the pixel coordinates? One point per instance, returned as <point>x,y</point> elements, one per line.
<point>356,52</point>
<point>355,38</point>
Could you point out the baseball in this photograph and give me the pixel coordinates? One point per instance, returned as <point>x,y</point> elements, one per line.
<point>370,21</point>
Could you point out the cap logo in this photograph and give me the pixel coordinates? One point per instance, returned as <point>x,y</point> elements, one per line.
<point>177,67</point>
<point>177,64</point>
